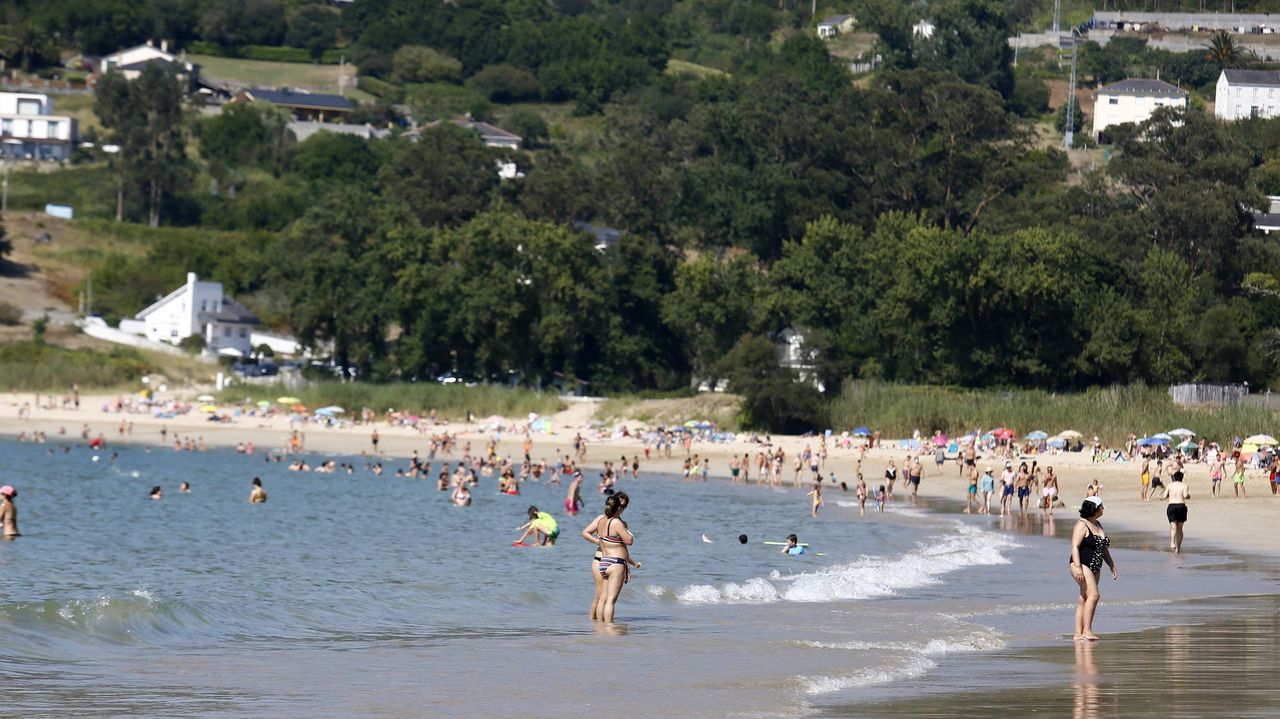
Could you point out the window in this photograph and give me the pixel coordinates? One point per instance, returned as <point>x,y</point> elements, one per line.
<point>226,331</point>
<point>1114,101</point>
<point>1253,111</point>
<point>242,333</point>
<point>29,107</point>
<point>173,334</point>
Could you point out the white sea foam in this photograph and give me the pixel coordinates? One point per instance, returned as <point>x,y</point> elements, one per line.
<point>907,669</point>
<point>970,642</point>
<point>868,577</point>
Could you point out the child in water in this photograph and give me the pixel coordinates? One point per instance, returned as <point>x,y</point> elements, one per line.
<point>793,546</point>
<point>816,493</point>
<point>880,498</point>
<point>542,526</point>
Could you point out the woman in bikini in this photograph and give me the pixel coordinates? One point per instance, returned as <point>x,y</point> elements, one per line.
<point>590,533</point>
<point>614,538</point>
<point>1090,547</point>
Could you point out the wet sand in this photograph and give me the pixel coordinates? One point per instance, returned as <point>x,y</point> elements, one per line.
<point>1219,664</point>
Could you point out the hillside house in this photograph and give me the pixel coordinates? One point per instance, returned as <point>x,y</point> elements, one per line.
<point>131,62</point>
<point>303,105</point>
<point>1133,100</point>
<point>835,25</point>
<point>30,130</point>
<point>1242,94</point>
<point>197,308</point>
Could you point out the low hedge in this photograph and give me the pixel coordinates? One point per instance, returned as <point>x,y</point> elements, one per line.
<point>380,88</point>
<point>267,53</point>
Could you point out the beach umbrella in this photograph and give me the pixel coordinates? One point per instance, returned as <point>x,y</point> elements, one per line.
<point>299,408</point>
<point>1070,434</point>
<point>1151,441</point>
<point>288,400</point>
<point>1058,442</point>
<point>967,439</point>
<point>1163,436</point>
<point>205,398</point>
<point>940,440</point>
<point>861,431</point>
<point>324,412</point>
<point>1261,439</point>
<point>332,409</point>
<point>1037,435</point>
<point>264,404</point>
<point>1003,433</point>
<point>208,409</point>
<point>1186,444</point>
<point>1181,432</point>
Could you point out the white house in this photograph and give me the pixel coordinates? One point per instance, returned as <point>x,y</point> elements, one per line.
<point>923,29</point>
<point>1133,100</point>
<point>198,308</point>
<point>1243,94</point>
<point>835,25</point>
<point>29,129</point>
<point>131,61</point>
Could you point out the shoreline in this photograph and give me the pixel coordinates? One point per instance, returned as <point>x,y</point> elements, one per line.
<point>1239,525</point>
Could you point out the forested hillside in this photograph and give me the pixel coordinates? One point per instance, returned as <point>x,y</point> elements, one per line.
<point>918,224</point>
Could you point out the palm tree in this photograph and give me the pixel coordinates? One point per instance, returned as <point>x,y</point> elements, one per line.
<point>29,43</point>
<point>1223,50</point>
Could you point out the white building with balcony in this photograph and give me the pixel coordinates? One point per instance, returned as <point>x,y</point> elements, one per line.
<point>197,308</point>
<point>30,130</point>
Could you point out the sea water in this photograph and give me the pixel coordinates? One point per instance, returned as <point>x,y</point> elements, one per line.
<point>359,595</point>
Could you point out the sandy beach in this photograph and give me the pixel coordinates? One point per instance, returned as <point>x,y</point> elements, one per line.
<point>1238,524</point>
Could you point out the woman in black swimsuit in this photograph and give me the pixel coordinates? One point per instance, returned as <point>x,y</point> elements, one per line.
<point>1089,549</point>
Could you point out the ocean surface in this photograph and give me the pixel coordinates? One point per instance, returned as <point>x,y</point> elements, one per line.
<point>356,595</point>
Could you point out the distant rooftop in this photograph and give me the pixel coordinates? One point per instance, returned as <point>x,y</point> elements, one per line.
<point>1142,87</point>
<point>297,98</point>
<point>1265,78</point>
<point>835,20</point>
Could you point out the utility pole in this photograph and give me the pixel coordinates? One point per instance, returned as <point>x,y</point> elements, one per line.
<point>1057,8</point>
<point>1068,132</point>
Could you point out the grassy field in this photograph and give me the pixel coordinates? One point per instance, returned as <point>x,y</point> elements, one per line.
<point>714,407</point>
<point>80,107</point>
<point>37,366</point>
<point>450,402</point>
<point>1110,413</point>
<point>278,74</point>
<point>88,189</point>
<point>682,67</point>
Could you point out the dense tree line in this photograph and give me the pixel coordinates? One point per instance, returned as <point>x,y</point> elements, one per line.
<point>915,225</point>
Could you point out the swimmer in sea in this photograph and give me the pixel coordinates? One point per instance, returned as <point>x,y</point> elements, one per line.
<point>258,495</point>
<point>793,546</point>
<point>156,493</point>
<point>573,501</point>
<point>184,488</point>
<point>461,496</point>
<point>9,511</point>
<point>816,493</point>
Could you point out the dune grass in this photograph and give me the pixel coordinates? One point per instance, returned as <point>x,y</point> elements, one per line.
<point>451,402</point>
<point>1110,413</point>
<point>36,366</point>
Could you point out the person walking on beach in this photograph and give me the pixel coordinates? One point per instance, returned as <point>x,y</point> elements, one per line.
<point>1090,547</point>
<point>373,439</point>
<point>988,488</point>
<point>891,474</point>
<point>971,494</point>
<point>1237,479</point>
<point>1050,490</point>
<point>1177,493</point>
<point>1146,478</point>
<point>9,512</point>
<point>1215,475</point>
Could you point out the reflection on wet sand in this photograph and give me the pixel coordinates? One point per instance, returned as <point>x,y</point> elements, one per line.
<point>1086,682</point>
<point>1223,668</point>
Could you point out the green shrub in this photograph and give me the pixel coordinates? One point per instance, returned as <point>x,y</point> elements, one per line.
<point>10,314</point>
<point>380,88</point>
